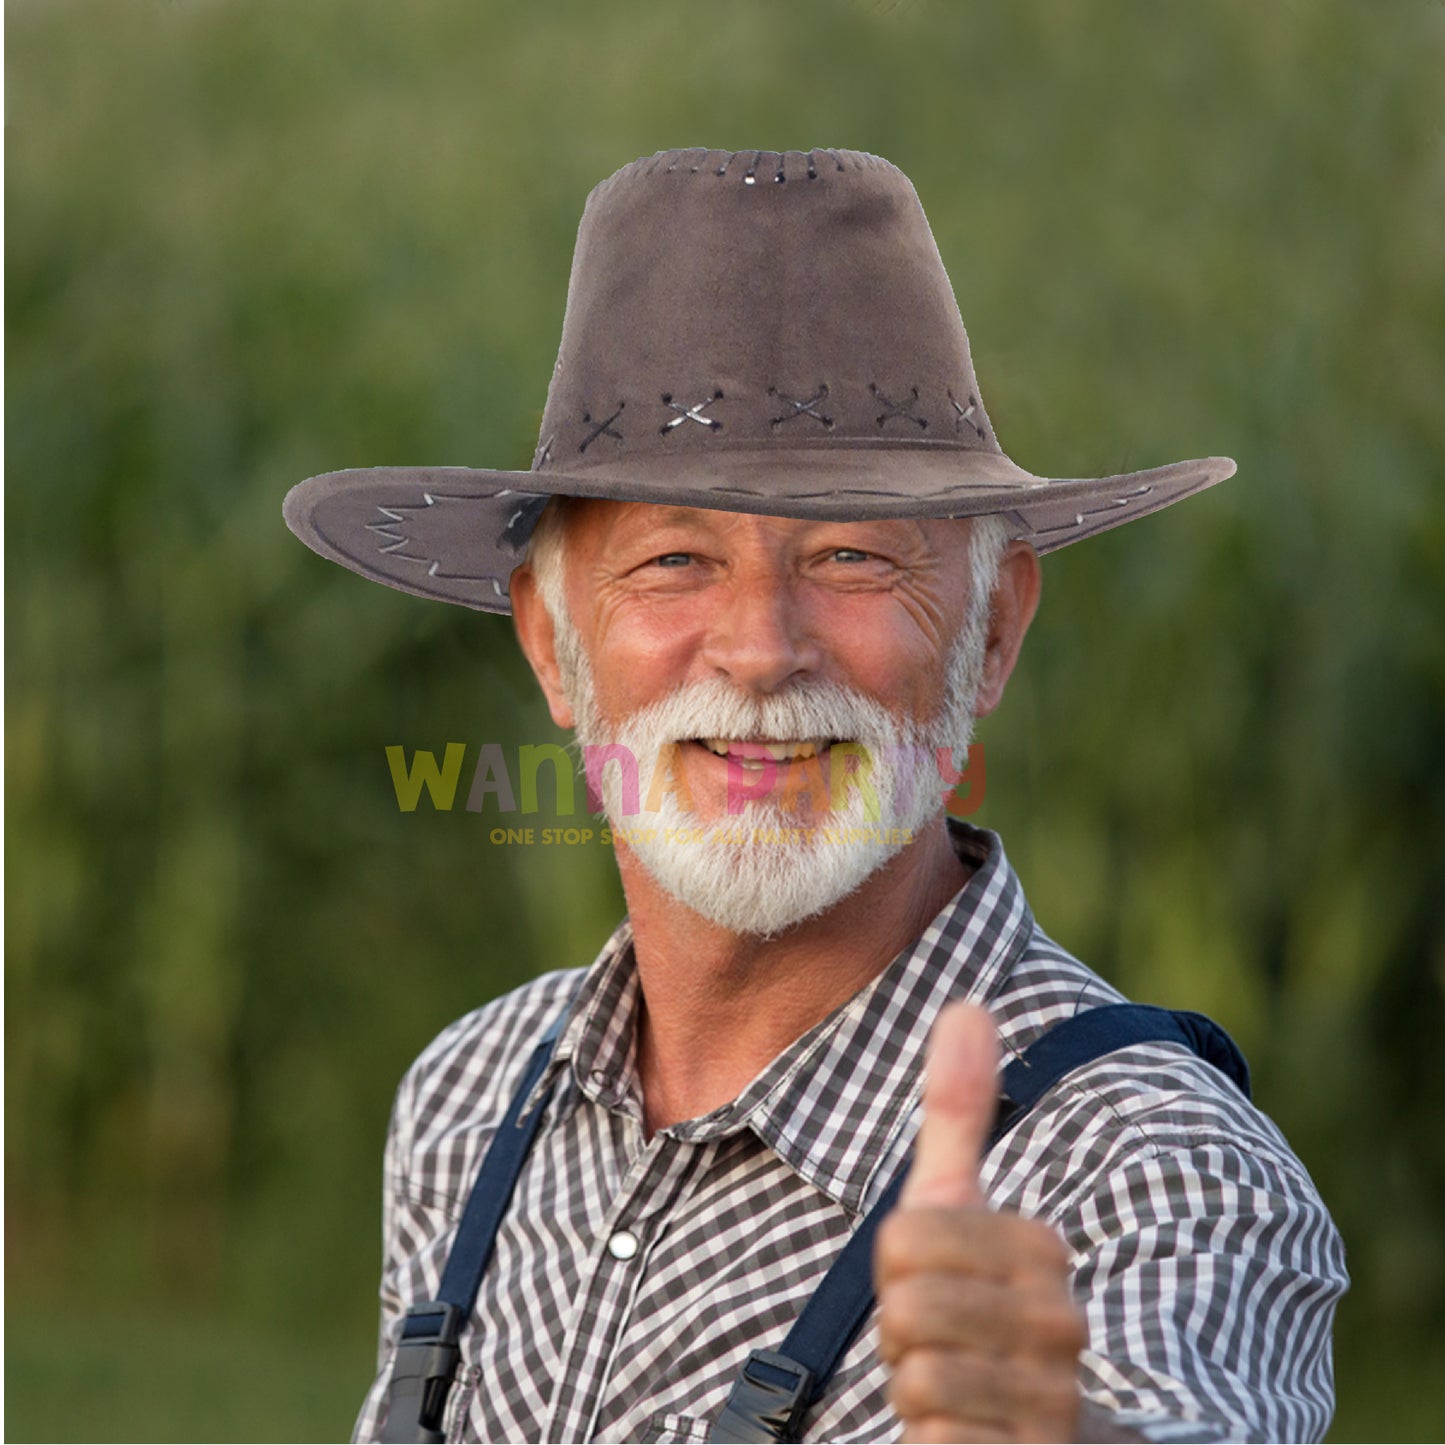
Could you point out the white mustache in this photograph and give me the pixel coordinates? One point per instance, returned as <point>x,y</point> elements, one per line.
<point>808,710</point>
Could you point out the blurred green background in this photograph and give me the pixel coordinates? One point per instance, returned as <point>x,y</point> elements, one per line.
<point>252,240</point>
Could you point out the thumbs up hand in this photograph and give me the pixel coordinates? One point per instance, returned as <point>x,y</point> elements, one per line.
<point>976,1319</point>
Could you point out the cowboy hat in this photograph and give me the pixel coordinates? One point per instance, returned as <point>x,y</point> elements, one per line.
<point>754,331</point>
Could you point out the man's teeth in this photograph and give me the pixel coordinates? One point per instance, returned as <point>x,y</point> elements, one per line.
<point>779,752</point>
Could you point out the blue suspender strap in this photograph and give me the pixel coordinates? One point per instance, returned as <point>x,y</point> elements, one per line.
<point>777,1387</point>
<point>427,1356</point>
<point>1090,1035</point>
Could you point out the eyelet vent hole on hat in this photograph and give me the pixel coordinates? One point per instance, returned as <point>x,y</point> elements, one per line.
<point>753,167</point>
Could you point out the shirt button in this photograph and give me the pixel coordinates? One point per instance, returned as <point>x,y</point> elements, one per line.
<point>622,1245</point>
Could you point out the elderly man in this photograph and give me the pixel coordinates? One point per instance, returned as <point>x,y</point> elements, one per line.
<point>772,555</point>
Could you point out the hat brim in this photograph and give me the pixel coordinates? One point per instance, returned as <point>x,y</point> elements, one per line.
<point>455,534</point>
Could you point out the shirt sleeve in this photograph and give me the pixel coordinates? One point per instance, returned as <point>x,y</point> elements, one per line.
<point>1209,1276</point>
<point>368,1422</point>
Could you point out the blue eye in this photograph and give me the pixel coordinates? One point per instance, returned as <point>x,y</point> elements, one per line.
<point>849,554</point>
<point>673,559</point>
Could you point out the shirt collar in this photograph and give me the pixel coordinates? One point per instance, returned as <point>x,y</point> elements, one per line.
<point>838,1104</point>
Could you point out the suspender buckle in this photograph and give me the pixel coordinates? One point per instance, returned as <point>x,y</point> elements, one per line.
<point>422,1375</point>
<point>767,1403</point>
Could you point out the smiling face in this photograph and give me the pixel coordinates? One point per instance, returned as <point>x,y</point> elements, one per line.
<point>788,673</point>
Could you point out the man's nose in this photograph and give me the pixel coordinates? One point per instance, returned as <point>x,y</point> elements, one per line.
<point>759,638</point>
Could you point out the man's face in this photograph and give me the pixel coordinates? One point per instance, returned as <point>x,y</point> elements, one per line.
<point>781,676</point>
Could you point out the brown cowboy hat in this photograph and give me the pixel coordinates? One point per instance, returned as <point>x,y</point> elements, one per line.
<point>753,331</point>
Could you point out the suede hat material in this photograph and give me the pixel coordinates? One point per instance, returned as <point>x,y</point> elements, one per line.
<point>754,332</point>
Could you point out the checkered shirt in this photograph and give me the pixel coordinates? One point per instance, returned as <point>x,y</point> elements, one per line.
<point>632,1277</point>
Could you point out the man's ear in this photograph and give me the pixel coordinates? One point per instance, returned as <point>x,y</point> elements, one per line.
<point>538,638</point>
<point>1012,607</point>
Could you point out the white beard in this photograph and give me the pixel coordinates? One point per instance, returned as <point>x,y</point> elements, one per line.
<point>764,868</point>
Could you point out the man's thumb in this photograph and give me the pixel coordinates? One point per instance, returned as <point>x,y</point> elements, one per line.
<point>960,1096</point>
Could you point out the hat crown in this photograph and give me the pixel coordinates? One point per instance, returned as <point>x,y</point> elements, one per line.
<point>757,299</point>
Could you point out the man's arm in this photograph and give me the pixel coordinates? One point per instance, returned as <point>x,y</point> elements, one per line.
<point>368,1422</point>
<point>1207,1276</point>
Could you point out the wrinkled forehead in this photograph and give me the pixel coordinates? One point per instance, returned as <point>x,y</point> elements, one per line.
<point>589,521</point>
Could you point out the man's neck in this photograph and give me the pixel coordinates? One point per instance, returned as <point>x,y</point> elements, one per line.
<point>718,1007</point>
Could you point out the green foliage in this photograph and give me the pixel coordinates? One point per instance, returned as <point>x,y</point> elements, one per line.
<point>251,241</point>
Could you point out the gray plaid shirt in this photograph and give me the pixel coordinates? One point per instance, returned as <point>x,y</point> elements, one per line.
<point>631,1278</point>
